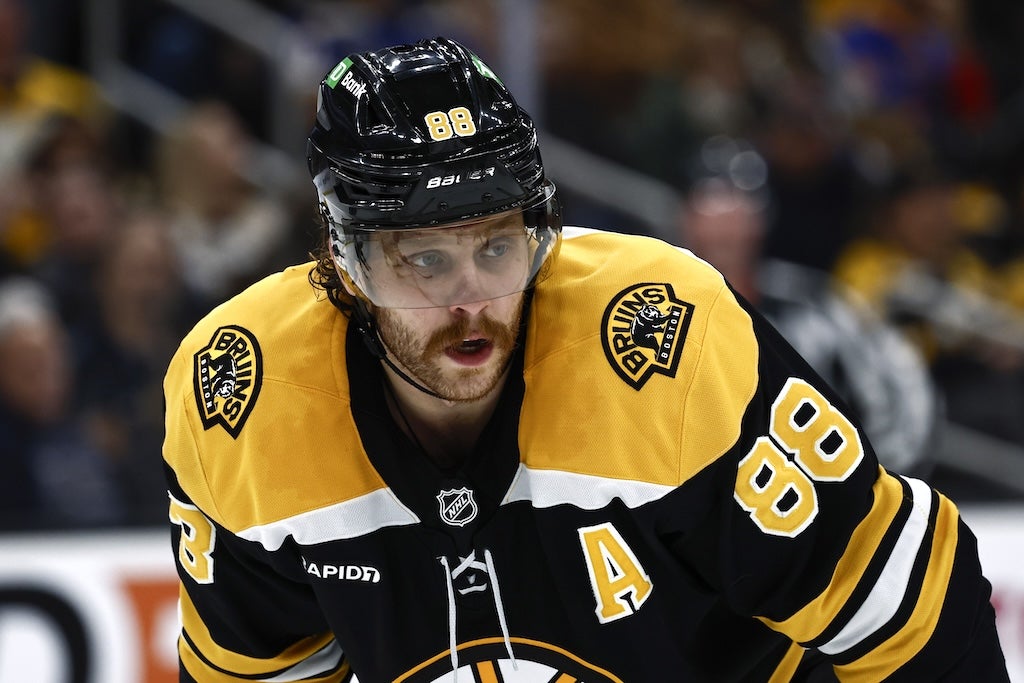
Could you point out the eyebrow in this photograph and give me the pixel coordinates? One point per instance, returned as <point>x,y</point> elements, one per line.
<point>427,236</point>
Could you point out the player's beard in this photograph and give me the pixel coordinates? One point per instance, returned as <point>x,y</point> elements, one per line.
<point>425,359</point>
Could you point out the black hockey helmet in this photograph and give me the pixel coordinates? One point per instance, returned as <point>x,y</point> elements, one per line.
<point>415,142</point>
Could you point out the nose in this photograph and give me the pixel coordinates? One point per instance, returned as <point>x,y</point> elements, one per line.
<point>471,309</point>
<point>470,292</point>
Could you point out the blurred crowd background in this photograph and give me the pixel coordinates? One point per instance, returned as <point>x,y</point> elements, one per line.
<point>855,167</point>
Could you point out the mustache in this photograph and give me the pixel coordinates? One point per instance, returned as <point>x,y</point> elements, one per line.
<point>450,335</point>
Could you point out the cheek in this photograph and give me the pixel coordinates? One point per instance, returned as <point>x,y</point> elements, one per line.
<point>404,328</point>
<point>507,310</point>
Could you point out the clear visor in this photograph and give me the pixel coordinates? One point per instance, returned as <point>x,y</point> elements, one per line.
<point>463,263</point>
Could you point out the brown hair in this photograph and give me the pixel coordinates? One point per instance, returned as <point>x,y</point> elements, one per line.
<point>324,274</point>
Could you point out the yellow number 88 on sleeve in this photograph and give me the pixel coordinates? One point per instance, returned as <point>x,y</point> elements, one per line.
<point>778,493</point>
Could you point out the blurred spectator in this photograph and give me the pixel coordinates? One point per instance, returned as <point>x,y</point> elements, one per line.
<point>917,267</point>
<point>919,61</point>
<point>59,204</point>
<point>53,475</point>
<point>81,209</point>
<point>36,96</point>
<point>687,71</point>
<point>815,173</point>
<point>1007,248</point>
<point>706,85</point>
<point>226,232</point>
<point>197,61</point>
<point>32,86</point>
<point>23,235</point>
<point>593,88</point>
<point>593,84</point>
<point>143,309</point>
<point>880,375</point>
<point>886,54</point>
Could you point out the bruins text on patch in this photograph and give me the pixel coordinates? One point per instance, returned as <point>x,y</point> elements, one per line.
<point>228,373</point>
<point>643,331</point>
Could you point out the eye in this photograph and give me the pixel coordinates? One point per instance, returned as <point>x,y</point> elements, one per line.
<point>496,248</point>
<point>426,260</point>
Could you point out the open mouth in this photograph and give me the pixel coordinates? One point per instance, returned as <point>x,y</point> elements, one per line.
<point>470,351</point>
<point>471,345</point>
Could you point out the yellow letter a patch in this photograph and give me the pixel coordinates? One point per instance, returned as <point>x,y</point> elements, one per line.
<point>614,573</point>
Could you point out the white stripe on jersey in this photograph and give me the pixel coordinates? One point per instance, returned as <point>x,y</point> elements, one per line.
<point>547,488</point>
<point>890,589</point>
<point>356,517</point>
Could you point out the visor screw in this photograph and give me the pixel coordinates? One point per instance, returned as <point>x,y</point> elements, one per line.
<point>486,197</point>
<point>442,206</point>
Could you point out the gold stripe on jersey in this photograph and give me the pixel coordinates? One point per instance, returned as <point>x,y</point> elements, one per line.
<point>787,667</point>
<point>656,434</point>
<point>885,659</point>
<point>200,672</point>
<point>486,673</point>
<point>807,623</point>
<point>196,636</point>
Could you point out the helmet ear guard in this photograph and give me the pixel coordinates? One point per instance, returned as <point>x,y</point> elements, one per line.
<point>418,137</point>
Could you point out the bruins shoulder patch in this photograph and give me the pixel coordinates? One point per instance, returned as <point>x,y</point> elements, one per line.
<point>642,332</point>
<point>227,376</point>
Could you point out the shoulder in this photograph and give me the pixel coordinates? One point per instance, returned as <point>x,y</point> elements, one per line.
<point>633,344</point>
<point>279,323</point>
<point>597,272</point>
<point>250,393</point>
<point>593,250</point>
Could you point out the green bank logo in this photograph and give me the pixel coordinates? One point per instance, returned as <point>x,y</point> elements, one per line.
<point>338,72</point>
<point>341,74</point>
<point>484,70</point>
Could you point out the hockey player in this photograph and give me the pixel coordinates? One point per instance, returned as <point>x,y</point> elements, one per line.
<point>441,452</point>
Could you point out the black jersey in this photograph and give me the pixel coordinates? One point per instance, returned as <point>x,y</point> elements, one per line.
<point>665,492</point>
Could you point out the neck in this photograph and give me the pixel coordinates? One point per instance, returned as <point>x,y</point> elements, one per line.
<point>445,430</point>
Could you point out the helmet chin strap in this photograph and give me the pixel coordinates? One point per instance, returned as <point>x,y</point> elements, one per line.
<point>367,328</point>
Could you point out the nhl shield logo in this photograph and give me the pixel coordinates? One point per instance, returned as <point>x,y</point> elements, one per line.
<point>457,506</point>
<point>643,331</point>
<point>227,376</point>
